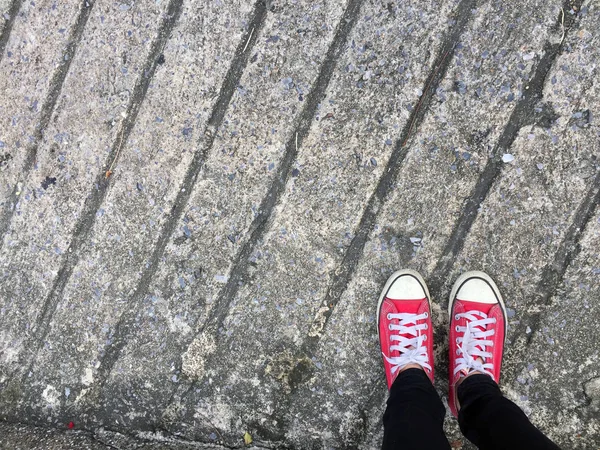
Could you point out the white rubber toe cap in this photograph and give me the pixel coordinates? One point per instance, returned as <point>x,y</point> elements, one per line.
<point>477,290</point>
<point>406,287</point>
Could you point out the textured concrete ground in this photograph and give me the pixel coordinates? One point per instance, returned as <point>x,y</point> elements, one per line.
<point>200,201</point>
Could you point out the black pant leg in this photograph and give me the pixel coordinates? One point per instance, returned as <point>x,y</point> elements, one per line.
<point>491,421</point>
<point>414,416</point>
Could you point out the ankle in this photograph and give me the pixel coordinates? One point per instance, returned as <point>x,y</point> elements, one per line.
<point>474,372</point>
<point>459,382</point>
<point>410,366</point>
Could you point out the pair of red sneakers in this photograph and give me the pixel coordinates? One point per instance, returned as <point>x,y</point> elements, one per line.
<point>477,327</point>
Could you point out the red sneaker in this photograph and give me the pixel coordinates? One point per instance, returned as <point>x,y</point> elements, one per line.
<point>477,330</point>
<point>404,324</point>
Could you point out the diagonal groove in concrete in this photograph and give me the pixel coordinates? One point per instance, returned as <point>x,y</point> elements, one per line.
<point>54,91</point>
<point>260,223</point>
<point>345,271</point>
<point>230,83</point>
<point>88,216</point>
<point>554,272</point>
<point>519,117</point>
<point>14,9</point>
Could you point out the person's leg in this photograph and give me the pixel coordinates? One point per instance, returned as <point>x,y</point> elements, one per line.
<point>476,343</point>
<point>415,414</point>
<point>491,421</point>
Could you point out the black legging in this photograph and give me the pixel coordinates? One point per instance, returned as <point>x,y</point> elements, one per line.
<point>414,416</point>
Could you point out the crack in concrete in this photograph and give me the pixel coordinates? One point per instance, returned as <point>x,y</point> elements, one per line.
<point>117,440</point>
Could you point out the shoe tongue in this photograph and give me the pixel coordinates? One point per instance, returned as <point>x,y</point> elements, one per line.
<point>406,307</point>
<point>482,307</point>
<point>476,306</point>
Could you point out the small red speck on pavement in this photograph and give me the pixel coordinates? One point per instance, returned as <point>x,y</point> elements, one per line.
<point>71,425</point>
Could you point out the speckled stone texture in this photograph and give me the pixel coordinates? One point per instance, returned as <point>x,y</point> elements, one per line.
<point>200,201</point>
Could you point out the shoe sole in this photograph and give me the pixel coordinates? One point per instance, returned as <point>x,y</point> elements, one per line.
<point>484,276</point>
<point>391,281</point>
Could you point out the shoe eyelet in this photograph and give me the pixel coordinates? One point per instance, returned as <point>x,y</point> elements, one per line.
<point>456,329</point>
<point>389,316</point>
<point>426,326</point>
<point>426,315</point>
<point>456,317</point>
<point>495,320</point>
<point>458,352</point>
<point>457,341</point>
<point>390,327</point>
<point>425,338</point>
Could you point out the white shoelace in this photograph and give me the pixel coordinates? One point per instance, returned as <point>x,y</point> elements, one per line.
<point>412,350</point>
<point>473,343</point>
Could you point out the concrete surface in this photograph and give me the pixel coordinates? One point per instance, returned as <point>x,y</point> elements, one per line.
<point>200,202</point>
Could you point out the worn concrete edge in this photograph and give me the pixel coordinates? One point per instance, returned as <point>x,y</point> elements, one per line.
<point>107,437</point>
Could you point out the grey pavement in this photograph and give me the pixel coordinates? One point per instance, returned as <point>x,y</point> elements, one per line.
<point>201,200</point>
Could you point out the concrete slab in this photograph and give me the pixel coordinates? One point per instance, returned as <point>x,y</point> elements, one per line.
<point>337,167</point>
<point>528,232</point>
<point>215,192</point>
<point>156,179</point>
